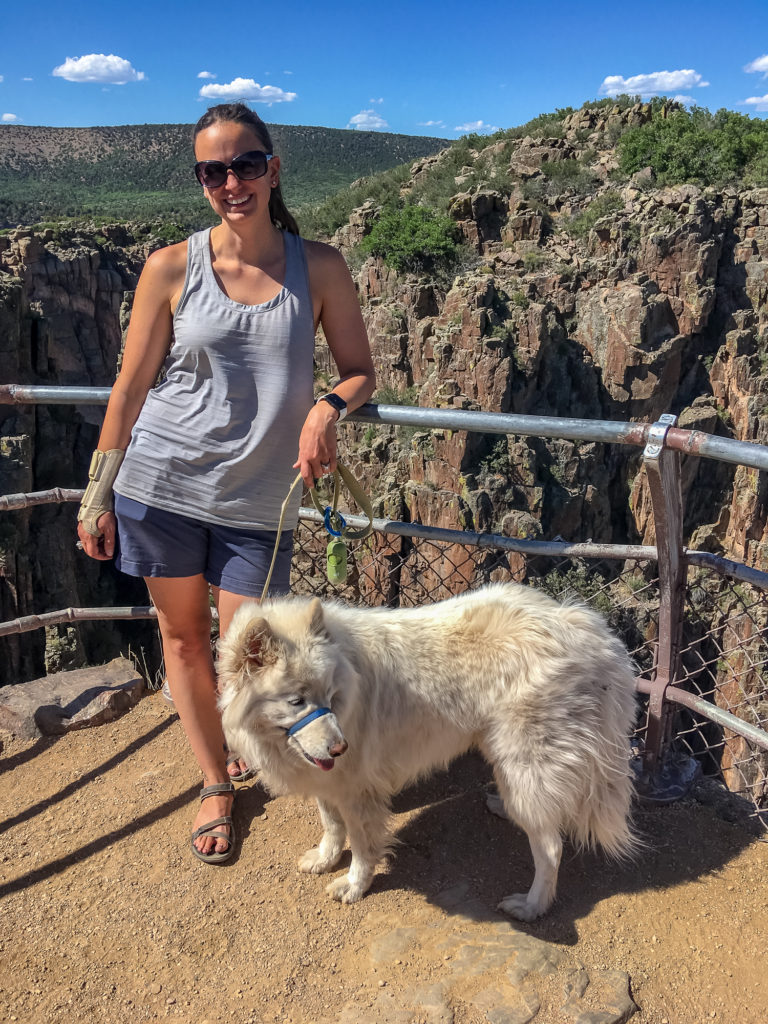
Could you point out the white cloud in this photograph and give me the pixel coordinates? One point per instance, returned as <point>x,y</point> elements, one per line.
<point>759,64</point>
<point>1,78</point>
<point>475,126</point>
<point>98,67</point>
<point>27,79</point>
<point>430,124</point>
<point>379,100</point>
<point>367,120</point>
<point>205,74</point>
<point>758,102</point>
<point>246,89</point>
<point>9,118</point>
<point>657,83</point>
<point>680,98</point>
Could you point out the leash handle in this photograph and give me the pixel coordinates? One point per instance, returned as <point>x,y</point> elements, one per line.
<point>342,473</point>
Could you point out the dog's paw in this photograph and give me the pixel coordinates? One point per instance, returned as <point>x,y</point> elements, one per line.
<point>519,906</point>
<point>315,862</point>
<point>344,891</point>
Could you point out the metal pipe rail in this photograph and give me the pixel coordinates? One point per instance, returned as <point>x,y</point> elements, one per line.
<point>663,443</point>
<point>688,442</point>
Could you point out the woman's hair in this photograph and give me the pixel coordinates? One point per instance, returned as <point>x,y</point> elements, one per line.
<point>238,113</point>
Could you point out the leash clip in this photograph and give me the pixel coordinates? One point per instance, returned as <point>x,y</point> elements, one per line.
<point>332,519</point>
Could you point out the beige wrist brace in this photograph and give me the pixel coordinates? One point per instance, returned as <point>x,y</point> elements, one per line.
<point>98,497</point>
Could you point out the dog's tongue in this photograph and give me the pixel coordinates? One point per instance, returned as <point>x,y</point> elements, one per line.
<point>326,765</point>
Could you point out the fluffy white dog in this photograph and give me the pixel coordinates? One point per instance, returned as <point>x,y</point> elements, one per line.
<point>348,704</point>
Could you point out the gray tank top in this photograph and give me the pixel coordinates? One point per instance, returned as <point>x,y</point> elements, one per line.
<point>218,438</point>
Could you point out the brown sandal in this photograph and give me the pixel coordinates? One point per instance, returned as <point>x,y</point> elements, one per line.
<point>210,829</point>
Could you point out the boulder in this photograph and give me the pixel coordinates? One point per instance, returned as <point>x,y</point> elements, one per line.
<point>65,701</point>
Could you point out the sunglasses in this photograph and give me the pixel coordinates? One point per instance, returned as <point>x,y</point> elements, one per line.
<point>246,167</point>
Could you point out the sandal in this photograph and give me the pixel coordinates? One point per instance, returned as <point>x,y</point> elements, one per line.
<point>210,829</point>
<point>243,776</point>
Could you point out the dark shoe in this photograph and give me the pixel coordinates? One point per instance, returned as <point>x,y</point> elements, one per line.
<point>210,828</point>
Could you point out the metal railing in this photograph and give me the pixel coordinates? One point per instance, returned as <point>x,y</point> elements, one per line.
<point>696,623</point>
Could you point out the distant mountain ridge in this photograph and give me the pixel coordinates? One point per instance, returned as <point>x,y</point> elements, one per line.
<point>130,172</point>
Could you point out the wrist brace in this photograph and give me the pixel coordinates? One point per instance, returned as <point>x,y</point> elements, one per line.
<point>98,497</point>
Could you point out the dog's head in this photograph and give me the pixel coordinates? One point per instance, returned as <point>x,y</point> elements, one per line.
<point>277,665</point>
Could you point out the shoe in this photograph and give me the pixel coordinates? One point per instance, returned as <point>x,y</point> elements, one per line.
<point>210,829</point>
<point>165,692</point>
<point>243,776</point>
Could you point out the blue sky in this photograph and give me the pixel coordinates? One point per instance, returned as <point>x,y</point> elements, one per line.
<point>430,68</point>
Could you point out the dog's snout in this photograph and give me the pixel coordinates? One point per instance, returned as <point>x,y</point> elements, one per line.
<point>338,748</point>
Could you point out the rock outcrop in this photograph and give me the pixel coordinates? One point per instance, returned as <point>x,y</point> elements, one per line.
<point>62,303</point>
<point>618,301</point>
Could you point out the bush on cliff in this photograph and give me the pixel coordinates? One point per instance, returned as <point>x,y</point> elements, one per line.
<point>412,238</point>
<point>699,147</point>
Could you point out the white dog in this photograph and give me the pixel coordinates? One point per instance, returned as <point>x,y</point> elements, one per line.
<point>348,704</point>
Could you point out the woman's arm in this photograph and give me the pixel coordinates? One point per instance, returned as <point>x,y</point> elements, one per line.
<point>146,346</point>
<point>337,309</point>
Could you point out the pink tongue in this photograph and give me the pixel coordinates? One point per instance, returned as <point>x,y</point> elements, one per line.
<point>325,765</point>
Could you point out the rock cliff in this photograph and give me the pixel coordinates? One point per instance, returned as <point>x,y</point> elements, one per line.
<point>63,300</point>
<point>623,303</point>
<point>618,301</point>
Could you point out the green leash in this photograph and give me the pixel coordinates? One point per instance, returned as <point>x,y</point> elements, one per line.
<point>335,524</point>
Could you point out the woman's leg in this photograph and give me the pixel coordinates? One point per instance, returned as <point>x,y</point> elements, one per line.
<point>226,605</point>
<point>184,617</point>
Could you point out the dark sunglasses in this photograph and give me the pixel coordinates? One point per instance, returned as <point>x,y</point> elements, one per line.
<point>246,167</point>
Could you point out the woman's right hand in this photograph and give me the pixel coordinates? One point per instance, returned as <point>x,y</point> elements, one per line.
<point>102,547</point>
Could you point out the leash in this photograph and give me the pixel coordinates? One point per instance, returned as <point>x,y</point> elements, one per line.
<point>335,524</point>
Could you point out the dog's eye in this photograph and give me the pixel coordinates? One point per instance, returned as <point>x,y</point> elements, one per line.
<point>297,702</point>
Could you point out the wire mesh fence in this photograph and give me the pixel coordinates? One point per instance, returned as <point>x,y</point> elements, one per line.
<point>724,661</point>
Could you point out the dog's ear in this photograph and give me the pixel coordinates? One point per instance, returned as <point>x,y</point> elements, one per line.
<point>316,619</point>
<point>259,644</point>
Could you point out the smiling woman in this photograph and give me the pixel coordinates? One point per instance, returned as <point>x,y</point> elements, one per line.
<point>201,464</point>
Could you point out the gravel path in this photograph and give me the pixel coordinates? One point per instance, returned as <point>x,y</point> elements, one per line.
<point>107,916</point>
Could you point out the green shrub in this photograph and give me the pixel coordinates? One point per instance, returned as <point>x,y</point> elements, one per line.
<point>412,238</point>
<point>582,223</point>
<point>534,259</point>
<point>699,147</point>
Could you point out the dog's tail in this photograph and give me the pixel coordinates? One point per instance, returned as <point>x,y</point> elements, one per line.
<point>605,818</point>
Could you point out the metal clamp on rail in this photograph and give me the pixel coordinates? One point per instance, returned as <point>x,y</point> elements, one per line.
<point>657,435</point>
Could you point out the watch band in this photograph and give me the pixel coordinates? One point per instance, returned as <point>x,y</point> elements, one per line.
<point>337,402</point>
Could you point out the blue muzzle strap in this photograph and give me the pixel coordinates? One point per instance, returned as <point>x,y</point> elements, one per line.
<point>317,713</point>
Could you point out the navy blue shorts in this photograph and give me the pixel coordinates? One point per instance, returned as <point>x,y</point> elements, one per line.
<point>153,542</point>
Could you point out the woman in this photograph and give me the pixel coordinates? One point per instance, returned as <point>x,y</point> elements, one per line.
<point>201,464</point>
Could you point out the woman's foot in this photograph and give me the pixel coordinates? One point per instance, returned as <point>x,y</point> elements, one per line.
<point>238,770</point>
<point>213,838</point>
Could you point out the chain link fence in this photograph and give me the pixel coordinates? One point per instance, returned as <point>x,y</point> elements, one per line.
<point>724,657</point>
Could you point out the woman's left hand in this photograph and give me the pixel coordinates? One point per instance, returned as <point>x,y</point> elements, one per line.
<point>317,444</point>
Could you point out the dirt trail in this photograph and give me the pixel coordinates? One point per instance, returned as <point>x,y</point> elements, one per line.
<point>107,916</point>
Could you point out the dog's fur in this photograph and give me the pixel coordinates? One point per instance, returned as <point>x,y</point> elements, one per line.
<point>544,690</point>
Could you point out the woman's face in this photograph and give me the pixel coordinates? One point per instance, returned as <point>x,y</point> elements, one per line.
<point>236,201</point>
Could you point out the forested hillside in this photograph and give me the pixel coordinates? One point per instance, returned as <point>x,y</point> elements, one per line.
<point>144,172</point>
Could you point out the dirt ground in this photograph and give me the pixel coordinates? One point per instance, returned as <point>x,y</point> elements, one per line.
<point>108,917</point>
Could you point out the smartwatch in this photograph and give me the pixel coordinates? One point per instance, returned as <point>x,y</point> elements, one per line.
<point>336,401</point>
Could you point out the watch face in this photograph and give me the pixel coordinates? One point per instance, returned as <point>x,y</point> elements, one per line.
<point>338,403</point>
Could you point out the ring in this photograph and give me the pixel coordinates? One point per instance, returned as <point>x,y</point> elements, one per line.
<point>325,465</point>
